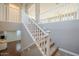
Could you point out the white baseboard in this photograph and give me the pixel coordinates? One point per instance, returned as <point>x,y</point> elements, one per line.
<point>68,52</point>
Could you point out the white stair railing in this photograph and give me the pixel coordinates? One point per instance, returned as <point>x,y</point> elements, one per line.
<point>40,37</point>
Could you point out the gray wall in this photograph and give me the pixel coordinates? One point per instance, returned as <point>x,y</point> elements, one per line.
<point>9,26</point>
<point>25,38</point>
<point>11,36</point>
<point>65,34</point>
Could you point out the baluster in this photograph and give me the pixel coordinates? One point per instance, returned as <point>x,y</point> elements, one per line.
<point>57,18</point>
<point>75,16</point>
<point>38,34</point>
<point>60,18</point>
<point>29,25</point>
<point>43,44</point>
<point>71,16</point>
<point>63,16</point>
<point>68,17</point>
<point>48,45</point>
<point>54,19</point>
<point>41,35</point>
<point>34,31</point>
<point>30,28</point>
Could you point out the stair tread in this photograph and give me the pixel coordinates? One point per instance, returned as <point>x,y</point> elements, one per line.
<point>52,44</point>
<point>53,50</point>
<point>58,54</point>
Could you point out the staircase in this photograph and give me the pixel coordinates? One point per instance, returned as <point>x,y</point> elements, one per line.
<point>40,37</point>
<point>31,51</point>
